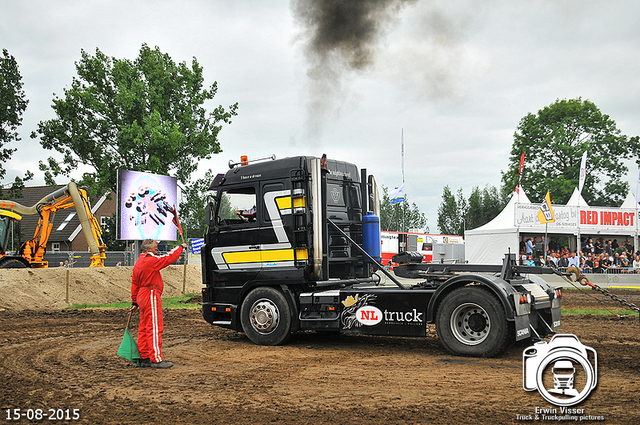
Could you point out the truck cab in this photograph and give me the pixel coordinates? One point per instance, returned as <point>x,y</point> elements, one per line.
<point>294,244</point>
<point>285,239</point>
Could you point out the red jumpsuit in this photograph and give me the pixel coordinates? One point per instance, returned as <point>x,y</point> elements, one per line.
<point>146,290</point>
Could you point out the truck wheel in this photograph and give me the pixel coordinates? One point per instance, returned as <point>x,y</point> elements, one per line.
<point>472,322</point>
<point>265,316</point>
<point>12,264</point>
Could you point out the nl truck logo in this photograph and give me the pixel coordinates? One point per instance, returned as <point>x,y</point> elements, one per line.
<point>360,310</point>
<point>369,315</point>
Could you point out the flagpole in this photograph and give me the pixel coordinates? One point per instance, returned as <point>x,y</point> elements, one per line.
<point>546,216</point>
<point>520,169</point>
<point>581,179</point>
<point>635,238</point>
<point>404,225</point>
<point>546,237</point>
<point>578,241</point>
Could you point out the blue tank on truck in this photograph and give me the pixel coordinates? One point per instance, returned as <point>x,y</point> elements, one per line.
<point>371,235</point>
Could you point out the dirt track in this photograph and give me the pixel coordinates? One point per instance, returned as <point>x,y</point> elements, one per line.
<point>66,360</point>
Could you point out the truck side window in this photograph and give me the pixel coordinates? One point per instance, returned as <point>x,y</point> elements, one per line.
<point>238,206</point>
<point>282,202</point>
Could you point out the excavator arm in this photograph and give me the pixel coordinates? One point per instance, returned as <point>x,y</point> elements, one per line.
<point>64,198</point>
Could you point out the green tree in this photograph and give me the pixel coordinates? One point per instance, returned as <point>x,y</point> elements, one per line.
<point>402,216</point>
<point>554,140</point>
<point>452,212</point>
<point>141,115</point>
<point>483,206</point>
<point>109,235</point>
<point>195,196</point>
<point>457,214</point>
<point>13,103</point>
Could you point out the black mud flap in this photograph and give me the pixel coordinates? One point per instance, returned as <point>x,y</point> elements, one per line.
<point>523,325</point>
<point>555,318</point>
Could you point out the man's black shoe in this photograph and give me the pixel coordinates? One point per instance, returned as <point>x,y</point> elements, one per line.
<point>144,363</point>
<point>161,365</point>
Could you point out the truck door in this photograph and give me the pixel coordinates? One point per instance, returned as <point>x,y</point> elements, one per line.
<point>236,248</point>
<point>255,232</point>
<point>276,236</point>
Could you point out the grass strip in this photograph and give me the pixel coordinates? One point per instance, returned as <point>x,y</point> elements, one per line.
<point>597,312</point>
<point>180,302</point>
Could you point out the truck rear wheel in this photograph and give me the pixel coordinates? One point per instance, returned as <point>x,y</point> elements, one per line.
<point>472,322</point>
<point>266,317</point>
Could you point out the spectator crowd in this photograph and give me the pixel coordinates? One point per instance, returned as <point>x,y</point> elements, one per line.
<point>601,256</point>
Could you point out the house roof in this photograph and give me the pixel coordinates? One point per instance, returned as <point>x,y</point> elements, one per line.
<point>94,208</point>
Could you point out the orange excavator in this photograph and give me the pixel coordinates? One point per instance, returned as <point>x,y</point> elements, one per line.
<point>31,253</point>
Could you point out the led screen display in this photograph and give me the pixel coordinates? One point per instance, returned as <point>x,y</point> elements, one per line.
<point>144,204</point>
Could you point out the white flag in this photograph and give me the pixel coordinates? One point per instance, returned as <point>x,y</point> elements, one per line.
<point>397,195</point>
<point>583,171</point>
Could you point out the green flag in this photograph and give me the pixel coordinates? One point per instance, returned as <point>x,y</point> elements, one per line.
<point>128,348</point>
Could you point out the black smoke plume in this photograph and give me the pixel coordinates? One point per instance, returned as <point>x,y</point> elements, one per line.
<point>340,37</point>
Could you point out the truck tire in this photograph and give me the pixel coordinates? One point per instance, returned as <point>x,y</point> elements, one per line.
<point>266,317</point>
<point>472,322</point>
<point>12,264</point>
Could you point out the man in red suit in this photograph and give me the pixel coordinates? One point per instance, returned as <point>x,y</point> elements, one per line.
<point>146,292</point>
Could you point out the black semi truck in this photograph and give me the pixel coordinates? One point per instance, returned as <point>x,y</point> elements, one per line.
<point>294,244</point>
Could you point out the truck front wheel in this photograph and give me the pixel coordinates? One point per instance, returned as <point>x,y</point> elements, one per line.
<point>472,322</point>
<point>266,317</point>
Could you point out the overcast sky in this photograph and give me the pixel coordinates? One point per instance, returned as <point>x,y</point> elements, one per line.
<point>455,76</point>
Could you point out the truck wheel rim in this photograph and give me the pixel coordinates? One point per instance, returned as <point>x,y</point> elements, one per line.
<point>264,316</point>
<point>470,324</point>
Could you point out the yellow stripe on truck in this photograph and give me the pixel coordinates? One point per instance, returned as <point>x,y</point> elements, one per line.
<point>302,254</point>
<point>242,257</point>
<point>269,256</point>
<point>285,203</point>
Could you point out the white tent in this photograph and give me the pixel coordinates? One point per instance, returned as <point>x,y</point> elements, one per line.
<point>577,199</point>
<point>630,202</point>
<point>488,244</point>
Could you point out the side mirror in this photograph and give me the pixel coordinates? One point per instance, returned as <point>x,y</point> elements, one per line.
<point>209,211</point>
